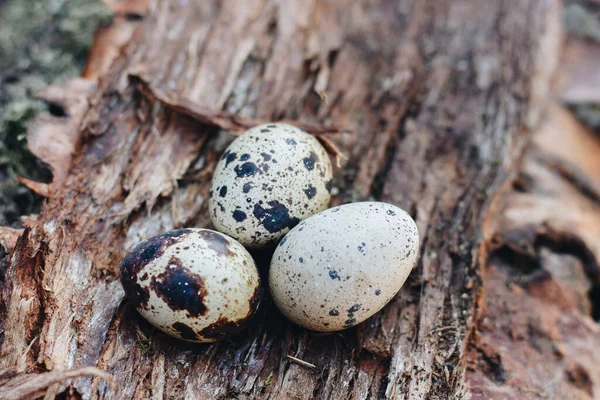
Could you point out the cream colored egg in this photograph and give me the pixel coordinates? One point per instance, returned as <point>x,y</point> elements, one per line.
<point>194,284</point>
<point>267,181</point>
<point>339,267</point>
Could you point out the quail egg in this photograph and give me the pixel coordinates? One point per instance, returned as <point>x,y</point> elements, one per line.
<point>194,284</point>
<point>267,181</point>
<point>339,267</point>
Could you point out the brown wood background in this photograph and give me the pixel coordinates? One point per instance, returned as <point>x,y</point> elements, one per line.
<point>435,100</point>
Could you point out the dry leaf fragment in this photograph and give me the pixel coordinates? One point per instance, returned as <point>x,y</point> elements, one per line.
<point>43,189</point>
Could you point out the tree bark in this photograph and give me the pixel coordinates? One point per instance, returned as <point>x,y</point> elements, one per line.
<point>434,99</point>
<point>538,334</point>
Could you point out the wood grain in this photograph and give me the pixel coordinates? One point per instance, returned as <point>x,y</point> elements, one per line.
<point>437,98</point>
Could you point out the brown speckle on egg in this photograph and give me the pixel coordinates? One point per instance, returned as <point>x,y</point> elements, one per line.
<point>350,252</point>
<point>274,176</point>
<point>195,284</point>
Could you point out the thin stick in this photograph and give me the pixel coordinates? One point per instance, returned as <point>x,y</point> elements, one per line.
<point>303,363</point>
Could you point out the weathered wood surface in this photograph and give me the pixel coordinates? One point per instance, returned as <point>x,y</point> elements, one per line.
<point>437,97</point>
<point>538,335</point>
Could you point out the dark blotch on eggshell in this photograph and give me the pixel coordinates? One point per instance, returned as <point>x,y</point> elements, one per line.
<point>185,331</point>
<point>245,157</point>
<point>309,162</point>
<point>354,308</point>
<point>247,186</point>
<point>230,157</point>
<point>351,320</point>
<point>311,191</point>
<point>266,157</point>
<point>276,218</point>
<point>216,242</point>
<point>333,274</point>
<point>221,328</point>
<point>291,142</point>
<point>223,191</point>
<point>139,257</point>
<point>334,313</point>
<point>246,169</point>
<point>239,215</point>
<point>180,289</point>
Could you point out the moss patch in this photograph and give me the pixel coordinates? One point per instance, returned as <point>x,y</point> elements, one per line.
<point>40,43</point>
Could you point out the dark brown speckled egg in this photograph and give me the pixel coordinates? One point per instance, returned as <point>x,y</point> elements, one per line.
<point>341,266</point>
<point>267,181</point>
<point>194,284</point>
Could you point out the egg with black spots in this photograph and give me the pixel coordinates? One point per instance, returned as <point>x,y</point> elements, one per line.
<point>267,181</point>
<point>197,285</point>
<point>339,267</point>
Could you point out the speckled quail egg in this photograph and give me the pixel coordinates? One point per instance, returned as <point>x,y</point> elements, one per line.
<point>194,284</point>
<point>267,181</point>
<point>339,267</point>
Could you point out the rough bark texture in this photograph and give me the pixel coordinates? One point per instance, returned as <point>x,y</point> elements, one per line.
<point>437,97</point>
<point>539,336</point>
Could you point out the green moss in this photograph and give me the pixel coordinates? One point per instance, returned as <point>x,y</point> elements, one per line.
<point>40,43</point>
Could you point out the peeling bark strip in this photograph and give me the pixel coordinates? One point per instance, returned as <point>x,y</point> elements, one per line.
<point>233,123</point>
<point>436,92</point>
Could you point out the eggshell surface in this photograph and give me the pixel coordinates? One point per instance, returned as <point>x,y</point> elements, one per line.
<point>194,284</point>
<point>267,181</point>
<point>341,266</point>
